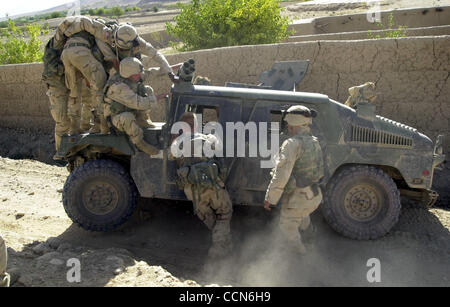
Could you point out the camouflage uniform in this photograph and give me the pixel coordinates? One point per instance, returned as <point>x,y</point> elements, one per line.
<point>212,202</point>
<point>57,92</point>
<point>80,62</point>
<point>4,277</point>
<point>124,98</point>
<point>295,176</point>
<point>122,41</point>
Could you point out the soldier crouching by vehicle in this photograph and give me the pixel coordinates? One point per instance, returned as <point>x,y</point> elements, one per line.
<point>125,97</point>
<point>295,179</point>
<point>199,176</point>
<point>4,277</point>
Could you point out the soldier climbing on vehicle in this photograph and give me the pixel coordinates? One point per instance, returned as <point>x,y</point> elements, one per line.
<point>125,95</point>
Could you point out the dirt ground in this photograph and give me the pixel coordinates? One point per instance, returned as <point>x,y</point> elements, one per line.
<point>321,8</point>
<point>164,244</point>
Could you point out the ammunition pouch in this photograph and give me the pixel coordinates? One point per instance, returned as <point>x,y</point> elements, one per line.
<point>303,182</point>
<point>203,174</point>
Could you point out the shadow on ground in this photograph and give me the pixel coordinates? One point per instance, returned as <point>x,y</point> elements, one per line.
<point>167,234</point>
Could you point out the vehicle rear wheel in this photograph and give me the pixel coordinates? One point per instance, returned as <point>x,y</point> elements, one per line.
<point>361,202</point>
<point>99,195</point>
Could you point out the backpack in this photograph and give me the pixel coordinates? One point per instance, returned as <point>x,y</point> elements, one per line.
<point>53,73</point>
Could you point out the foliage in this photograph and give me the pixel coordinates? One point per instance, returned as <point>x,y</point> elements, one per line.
<point>217,23</point>
<point>390,31</point>
<point>21,45</point>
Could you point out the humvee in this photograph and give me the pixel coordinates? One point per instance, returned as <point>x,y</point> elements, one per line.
<point>369,160</point>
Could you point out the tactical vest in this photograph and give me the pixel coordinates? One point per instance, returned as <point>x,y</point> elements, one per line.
<point>53,73</point>
<point>117,107</point>
<point>308,169</point>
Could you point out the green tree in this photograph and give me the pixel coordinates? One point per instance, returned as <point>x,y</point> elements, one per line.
<point>21,46</point>
<point>206,24</point>
<point>117,11</point>
<point>56,15</point>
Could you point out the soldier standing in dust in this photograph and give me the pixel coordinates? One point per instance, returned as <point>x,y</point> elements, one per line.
<point>199,176</point>
<point>124,96</point>
<point>4,277</point>
<point>295,178</point>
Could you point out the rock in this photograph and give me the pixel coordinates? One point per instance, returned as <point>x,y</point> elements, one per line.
<point>118,271</point>
<point>47,258</point>
<point>31,193</point>
<point>54,242</point>
<point>42,248</point>
<point>115,261</point>
<point>25,280</point>
<point>63,247</point>
<point>60,190</point>
<point>20,215</point>
<point>57,262</point>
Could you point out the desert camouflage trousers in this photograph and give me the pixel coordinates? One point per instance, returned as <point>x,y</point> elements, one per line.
<point>295,210</point>
<point>4,277</point>
<point>126,122</point>
<point>214,209</point>
<point>79,63</point>
<point>58,97</point>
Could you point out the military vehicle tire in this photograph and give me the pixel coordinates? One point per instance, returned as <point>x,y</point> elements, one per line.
<point>99,195</point>
<point>361,202</point>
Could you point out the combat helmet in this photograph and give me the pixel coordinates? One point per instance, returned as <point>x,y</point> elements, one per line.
<point>299,115</point>
<point>126,36</point>
<point>130,66</point>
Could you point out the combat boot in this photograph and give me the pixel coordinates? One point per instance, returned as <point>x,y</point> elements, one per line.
<point>145,123</point>
<point>308,234</point>
<point>147,148</point>
<point>222,248</point>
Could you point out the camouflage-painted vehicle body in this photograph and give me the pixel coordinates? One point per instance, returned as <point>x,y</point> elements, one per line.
<point>369,160</point>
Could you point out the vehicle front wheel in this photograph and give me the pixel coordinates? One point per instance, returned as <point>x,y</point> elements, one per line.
<point>99,195</point>
<point>361,202</point>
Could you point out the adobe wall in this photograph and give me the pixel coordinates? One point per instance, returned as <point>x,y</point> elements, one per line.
<point>412,76</point>
<point>411,18</point>
<point>409,32</point>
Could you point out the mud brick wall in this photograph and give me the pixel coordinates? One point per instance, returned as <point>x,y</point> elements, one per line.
<point>412,76</point>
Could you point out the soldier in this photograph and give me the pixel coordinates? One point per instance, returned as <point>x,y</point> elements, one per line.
<point>4,277</point>
<point>80,62</point>
<point>199,178</point>
<point>121,41</point>
<point>57,92</point>
<point>295,178</point>
<point>364,93</point>
<point>125,95</point>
